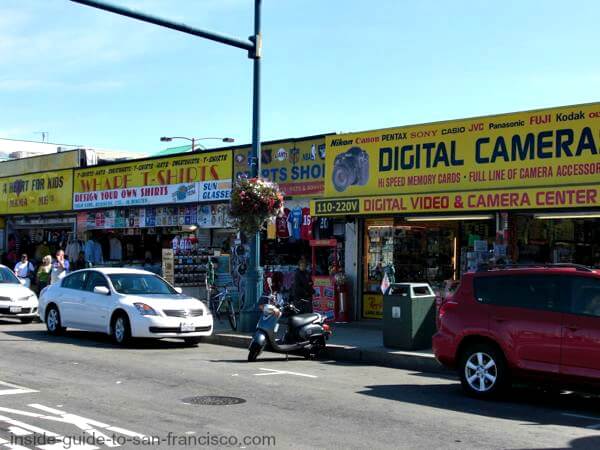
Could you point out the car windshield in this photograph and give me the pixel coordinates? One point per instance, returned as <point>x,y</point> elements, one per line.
<point>139,284</point>
<point>7,276</point>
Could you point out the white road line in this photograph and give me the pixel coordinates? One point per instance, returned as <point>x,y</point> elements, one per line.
<point>25,426</point>
<point>14,389</point>
<point>19,412</point>
<point>87,426</point>
<point>19,431</point>
<point>283,372</point>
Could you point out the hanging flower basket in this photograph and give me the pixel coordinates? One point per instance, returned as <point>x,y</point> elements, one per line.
<point>253,203</point>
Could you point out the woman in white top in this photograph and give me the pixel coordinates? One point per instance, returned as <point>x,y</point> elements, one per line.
<point>24,270</point>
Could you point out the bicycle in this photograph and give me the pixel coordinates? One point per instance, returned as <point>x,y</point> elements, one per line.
<point>216,304</point>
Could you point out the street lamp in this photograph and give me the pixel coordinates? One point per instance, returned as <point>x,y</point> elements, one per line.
<point>194,140</point>
<point>250,314</point>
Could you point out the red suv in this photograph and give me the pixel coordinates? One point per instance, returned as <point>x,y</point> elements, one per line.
<point>540,322</point>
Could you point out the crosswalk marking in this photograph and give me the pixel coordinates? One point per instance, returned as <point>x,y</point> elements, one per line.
<point>12,389</point>
<point>94,429</point>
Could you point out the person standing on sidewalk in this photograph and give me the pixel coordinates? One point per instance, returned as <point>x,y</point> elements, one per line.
<point>24,270</point>
<point>43,273</point>
<point>60,267</point>
<point>302,287</point>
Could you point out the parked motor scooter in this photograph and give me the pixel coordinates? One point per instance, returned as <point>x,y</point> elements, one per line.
<point>307,332</point>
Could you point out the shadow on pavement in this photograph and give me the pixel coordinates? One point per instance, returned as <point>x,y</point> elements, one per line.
<point>519,404</point>
<point>90,339</point>
<point>584,443</point>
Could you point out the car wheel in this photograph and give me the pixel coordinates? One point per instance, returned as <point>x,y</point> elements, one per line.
<point>483,371</point>
<point>26,320</point>
<point>121,330</point>
<point>53,322</point>
<point>192,341</point>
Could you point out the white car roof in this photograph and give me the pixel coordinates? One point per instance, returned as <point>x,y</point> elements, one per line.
<point>115,270</point>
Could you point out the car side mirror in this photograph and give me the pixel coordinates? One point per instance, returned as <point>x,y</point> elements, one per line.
<point>179,290</point>
<point>102,290</point>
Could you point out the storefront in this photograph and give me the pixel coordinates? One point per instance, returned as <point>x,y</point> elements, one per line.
<point>298,167</point>
<point>437,200</point>
<point>166,215</point>
<point>37,216</point>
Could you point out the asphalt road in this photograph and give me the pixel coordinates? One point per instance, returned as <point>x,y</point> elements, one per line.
<point>81,385</point>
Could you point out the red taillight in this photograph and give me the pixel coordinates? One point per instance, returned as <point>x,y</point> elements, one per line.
<point>445,307</point>
<point>326,328</point>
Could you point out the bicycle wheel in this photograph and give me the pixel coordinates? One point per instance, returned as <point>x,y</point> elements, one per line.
<point>214,309</point>
<point>231,316</point>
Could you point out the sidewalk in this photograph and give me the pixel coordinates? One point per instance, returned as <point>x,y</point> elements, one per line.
<point>360,342</point>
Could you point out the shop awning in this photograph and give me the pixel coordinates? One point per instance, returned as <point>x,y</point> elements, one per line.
<point>174,150</point>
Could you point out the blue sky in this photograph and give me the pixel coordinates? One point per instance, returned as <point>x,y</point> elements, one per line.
<point>92,78</point>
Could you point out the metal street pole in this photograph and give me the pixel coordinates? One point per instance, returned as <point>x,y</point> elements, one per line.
<point>249,316</point>
<point>253,289</point>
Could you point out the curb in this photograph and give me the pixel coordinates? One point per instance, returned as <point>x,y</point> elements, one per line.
<point>421,362</point>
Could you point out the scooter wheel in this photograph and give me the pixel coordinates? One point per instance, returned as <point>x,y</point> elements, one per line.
<point>253,352</point>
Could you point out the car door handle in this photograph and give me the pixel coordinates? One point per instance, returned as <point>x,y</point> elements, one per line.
<point>572,328</point>
<point>500,319</point>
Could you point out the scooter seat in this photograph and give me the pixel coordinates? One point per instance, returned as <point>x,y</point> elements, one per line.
<point>300,320</point>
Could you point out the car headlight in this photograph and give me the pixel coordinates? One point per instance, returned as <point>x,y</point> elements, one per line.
<point>145,310</point>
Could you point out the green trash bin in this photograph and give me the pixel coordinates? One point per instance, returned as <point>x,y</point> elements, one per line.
<point>408,316</point>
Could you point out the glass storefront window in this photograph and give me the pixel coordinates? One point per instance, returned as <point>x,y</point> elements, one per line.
<point>434,252</point>
<point>566,240</point>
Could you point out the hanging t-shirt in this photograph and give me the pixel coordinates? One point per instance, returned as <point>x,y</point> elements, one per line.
<point>325,227</point>
<point>306,229</point>
<point>281,225</point>
<point>295,220</point>
<point>116,249</point>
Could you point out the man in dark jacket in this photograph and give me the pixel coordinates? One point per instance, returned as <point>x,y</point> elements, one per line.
<point>302,288</point>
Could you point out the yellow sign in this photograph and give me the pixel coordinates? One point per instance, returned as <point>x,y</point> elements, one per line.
<point>509,199</point>
<point>552,147</point>
<point>297,166</point>
<point>36,192</point>
<point>373,306</point>
<point>41,163</point>
<point>198,177</point>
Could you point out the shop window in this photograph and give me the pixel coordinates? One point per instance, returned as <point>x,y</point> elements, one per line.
<point>566,240</point>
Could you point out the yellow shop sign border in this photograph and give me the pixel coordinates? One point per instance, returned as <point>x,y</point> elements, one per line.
<point>509,199</point>
<point>213,166</point>
<point>559,146</point>
<point>36,192</point>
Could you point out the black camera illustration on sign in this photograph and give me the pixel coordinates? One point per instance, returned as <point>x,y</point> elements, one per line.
<point>350,168</point>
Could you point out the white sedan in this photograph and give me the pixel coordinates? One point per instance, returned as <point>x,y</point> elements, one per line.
<point>124,303</point>
<point>16,301</point>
